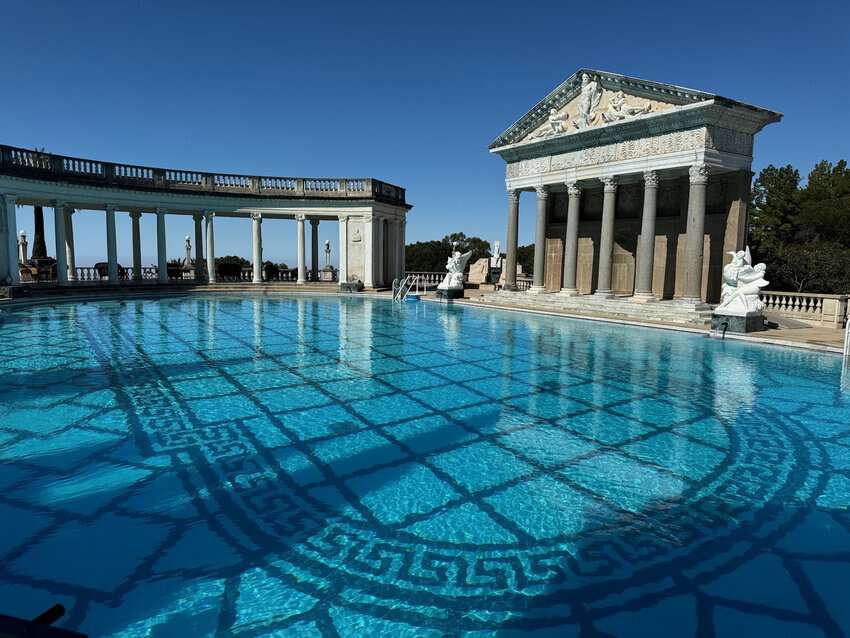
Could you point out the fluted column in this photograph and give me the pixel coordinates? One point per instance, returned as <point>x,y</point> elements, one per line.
<point>111,245</point>
<point>314,250</point>
<point>606,239</point>
<point>302,265</point>
<point>646,246</point>
<point>378,248</point>
<point>59,238</point>
<point>696,232</point>
<point>402,247</point>
<point>257,236</point>
<point>369,254</point>
<point>540,240</point>
<point>511,249</point>
<point>209,216</point>
<point>70,254</point>
<point>342,274</point>
<point>161,248</point>
<point>199,244</point>
<point>569,287</point>
<point>135,216</point>
<point>10,204</point>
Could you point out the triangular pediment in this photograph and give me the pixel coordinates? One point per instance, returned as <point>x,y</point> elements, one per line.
<point>591,99</point>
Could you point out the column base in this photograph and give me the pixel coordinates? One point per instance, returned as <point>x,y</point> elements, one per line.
<point>509,287</point>
<point>257,281</point>
<point>536,290</point>
<point>604,294</point>
<point>301,282</point>
<point>644,297</point>
<point>569,292</point>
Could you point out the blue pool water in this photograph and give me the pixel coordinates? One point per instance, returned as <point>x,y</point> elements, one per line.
<point>349,467</point>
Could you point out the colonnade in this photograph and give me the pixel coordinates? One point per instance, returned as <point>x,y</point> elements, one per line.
<point>698,181</point>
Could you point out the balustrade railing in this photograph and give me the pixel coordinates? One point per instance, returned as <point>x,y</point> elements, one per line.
<point>31,163</point>
<point>808,307</point>
<point>427,278</point>
<point>524,283</point>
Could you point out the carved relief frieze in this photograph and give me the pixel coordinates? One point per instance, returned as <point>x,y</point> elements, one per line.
<point>674,142</point>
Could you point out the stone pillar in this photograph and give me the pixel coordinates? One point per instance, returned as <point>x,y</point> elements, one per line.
<point>369,222</point>
<point>569,287</point>
<point>606,240</point>
<point>646,246</point>
<point>10,204</point>
<point>695,233</point>
<point>161,248</point>
<point>302,265</point>
<point>511,249</point>
<point>540,240</point>
<point>378,248</point>
<point>111,245</point>
<point>343,249</point>
<point>69,244</point>
<point>199,244</point>
<point>402,247</point>
<point>59,236</point>
<point>135,216</point>
<point>314,248</point>
<point>257,236</point>
<point>209,215</point>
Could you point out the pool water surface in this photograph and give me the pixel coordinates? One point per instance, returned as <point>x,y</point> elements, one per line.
<point>323,466</point>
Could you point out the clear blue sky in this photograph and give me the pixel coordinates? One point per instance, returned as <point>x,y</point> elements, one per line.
<point>409,93</point>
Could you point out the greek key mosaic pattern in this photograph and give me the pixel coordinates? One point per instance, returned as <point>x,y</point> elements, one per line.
<point>349,467</point>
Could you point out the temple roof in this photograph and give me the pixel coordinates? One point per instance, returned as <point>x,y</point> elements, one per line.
<point>654,98</point>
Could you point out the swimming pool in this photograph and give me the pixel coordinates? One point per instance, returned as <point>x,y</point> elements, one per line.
<point>345,466</point>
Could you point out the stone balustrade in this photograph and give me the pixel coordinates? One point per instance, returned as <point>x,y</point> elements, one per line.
<point>22,162</point>
<point>524,283</point>
<point>809,307</point>
<point>428,278</point>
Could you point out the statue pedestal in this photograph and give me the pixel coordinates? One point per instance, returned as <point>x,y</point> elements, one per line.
<point>745,322</point>
<point>447,294</point>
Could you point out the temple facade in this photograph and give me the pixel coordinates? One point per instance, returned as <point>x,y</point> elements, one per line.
<point>371,215</point>
<point>641,188</point>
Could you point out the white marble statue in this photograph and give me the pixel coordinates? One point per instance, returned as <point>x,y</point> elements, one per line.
<point>619,109</point>
<point>557,124</point>
<point>588,102</point>
<point>327,254</point>
<point>496,259</point>
<point>741,285</point>
<point>187,260</point>
<point>455,264</point>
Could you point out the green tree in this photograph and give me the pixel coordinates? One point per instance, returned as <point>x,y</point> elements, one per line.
<point>430,256</point>
<point>774,209</point>
<point>525,258</point>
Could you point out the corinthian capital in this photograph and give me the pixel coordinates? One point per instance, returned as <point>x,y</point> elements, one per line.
<point>610,184</point>
<point>257,216</point>
<point>650,179</point>
<point>542,191</point>
<point>300,217</point>
<point>573,189</point>
<point>699,174</point>
<point>513,196</point>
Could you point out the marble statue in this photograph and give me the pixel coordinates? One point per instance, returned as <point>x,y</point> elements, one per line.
<point>588,102</point>
<point>741,285</point>
<point>557,124</point>
<point>187,260</point>
<point>619,109</point>
<point>455,265</point>
<point>327,254</point>
<point>496,259</point>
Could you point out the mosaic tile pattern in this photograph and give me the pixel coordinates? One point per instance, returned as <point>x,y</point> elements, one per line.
<point>347,467</point>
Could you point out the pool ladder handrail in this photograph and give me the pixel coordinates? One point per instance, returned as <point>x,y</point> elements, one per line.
<point>402,287</point>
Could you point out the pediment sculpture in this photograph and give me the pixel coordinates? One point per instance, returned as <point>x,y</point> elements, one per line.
<point>588,102</point>
<point>741,285</point>
<point>619,109</point>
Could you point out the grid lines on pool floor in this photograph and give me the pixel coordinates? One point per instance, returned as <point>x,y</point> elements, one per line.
<point>425,375</point>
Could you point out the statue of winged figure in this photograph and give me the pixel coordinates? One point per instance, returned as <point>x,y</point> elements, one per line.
<point>455,265</point>
<point>741,285</point>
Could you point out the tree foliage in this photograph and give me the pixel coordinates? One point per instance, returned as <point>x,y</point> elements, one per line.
<point>430,256</point>
<point>803,234</point>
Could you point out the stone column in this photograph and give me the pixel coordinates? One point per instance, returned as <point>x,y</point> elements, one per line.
<point>161,248</point>
<point>368,252</point>
<point>199,244</point>
<point>209,215</point>
<point>69,244</point>
<point>257,236</point>
<point>314,248</point>
<point>343,249</point>
<point>695,233</point>
<point>10,204</point>
<point>606,240</point>
<point>569,287</point>
<point>511,249</point>
<point>135,216</point>
<point>111,245</point>
<point>402,247</point>
<point>540,240</point>
<point>646,246</point>
<point>302,265</point>
<point>378,250</point>
<point>59,236</point>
